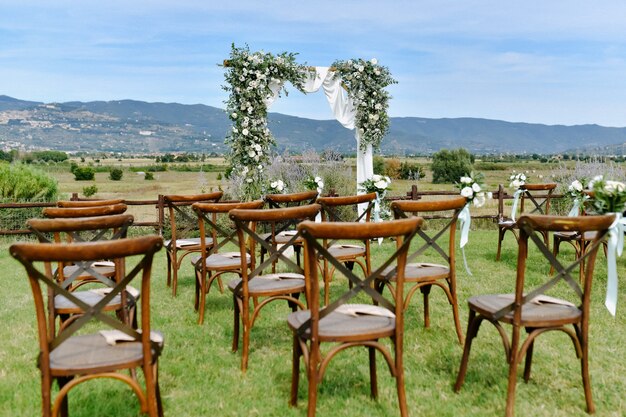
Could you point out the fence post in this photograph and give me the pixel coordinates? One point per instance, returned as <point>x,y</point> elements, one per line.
<point>74,197</point>
<point>500,202</point>
<point>160,214</point>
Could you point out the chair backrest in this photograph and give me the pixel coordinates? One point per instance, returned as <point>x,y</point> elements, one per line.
<point>344,208</point>
<point>247,222</point>
<point>182,222</point>
<point>531,227</point>
<point>89,203</point>
<point>34,255</point>
<point>84,211</point>
<point>539,196</point>
<point>221,233</point>
<point>401,208</point>
<point>81,229</point>
<point>290,200</point>
<point>315,234</point>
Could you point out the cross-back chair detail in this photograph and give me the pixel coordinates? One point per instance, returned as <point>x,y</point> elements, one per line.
<point>345,209</point>
<point>531,309</point>
<point>350,325</point>
<point>254,283</point>
<point>275,201</point>
<point>424,275</point>
<point>182,223</point>
<point>210,264</point>
<point>72,276</point>
<point>538,196</point>
<point>71,358</point>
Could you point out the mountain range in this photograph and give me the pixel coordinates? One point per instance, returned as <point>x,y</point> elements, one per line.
<point>141,127</point>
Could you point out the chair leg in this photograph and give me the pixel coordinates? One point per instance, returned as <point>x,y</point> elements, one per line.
<point>584,365</point>
<point>64,408</point>
<point>457,321</point>
<point>373,378</point>
<point>501,232</point>
<point>169,270</point>
<point>529,359</point>
<point>174,277</point>
<point>202,290</point>
<point>313,381</point>
<point>245,342</point>
<point>426,291</point>
<point>295,371</point>
<point>236,306</point>
<point>513,363</point>
<point>556,243</point>
<point>400,386</point>
<point>473,324</point>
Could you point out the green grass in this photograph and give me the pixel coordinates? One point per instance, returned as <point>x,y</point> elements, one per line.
<point>200,376</point>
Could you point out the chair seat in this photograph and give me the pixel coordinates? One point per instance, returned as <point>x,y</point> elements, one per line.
<point>338,326</point>
<point>91,353</point>
<point>507,223</point>
<point>283,237</point>
<point>419,272</point>
<point>272,284</point>
<point>534,314</point>
<point>189,244</point>
<point>107,271</point>
<point>222,261</point>
<point>568,235</point>
<point>346,251</point>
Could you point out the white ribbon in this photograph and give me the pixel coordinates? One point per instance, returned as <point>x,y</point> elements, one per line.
<point>465,220</point>
<point>615,248</point>
<point>575,211</point>
<point>377,218</point>
<point>318,216</point>
<point>516,197</point>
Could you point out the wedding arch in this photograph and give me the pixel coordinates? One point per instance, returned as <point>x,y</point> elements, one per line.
<point>355,90</point>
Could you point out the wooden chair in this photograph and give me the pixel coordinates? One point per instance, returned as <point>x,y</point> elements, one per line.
<point>350,325</point>
<point>275,201</point>
<point>182,223</point>
<point>532,310</point>
<point>255,284</point>
<point>71,358</point>
<point>88,203</point>
<point>84,211</point>
<point>345,209</point>
<point>425,275</point>
<point>215,233</point>
<point>539,195</point>
<point>71,276</point>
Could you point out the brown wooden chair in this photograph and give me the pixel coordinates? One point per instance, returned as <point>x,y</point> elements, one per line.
<point>72,276</point>
<point>88,203</point>
<point>537,195</point>
<point>183,227</point>
<point>84,211</point>
<point>350,325</point>
<point>216,232</point>
<point>345,209</point>
<point>531,309</point>
<point>425,275</point>
<point>287,284</point>
<point>275,201</point>
<point>71,358</point>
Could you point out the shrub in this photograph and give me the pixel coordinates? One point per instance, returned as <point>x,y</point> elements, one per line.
<point>392,168</point>
<point>90,190</point>
<point>116,174</point>
<point>22,182</point>
<point>378,163</point>
<point>149,176</point>
<point>448,166</point>
<point>410,171</point>
<point>84,173</point>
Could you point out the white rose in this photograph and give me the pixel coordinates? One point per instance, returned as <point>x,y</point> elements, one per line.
<point>378,106</point>
<point>377,71</point>
<point>376,177</point>
<point>476,187</point>
<point>248,180</point>
<point>234,115</point>
<point>251,154</point>
<point>388,179</point>
<point>466,180</point>
<point>318,179</point>
<point>373,61</point>
<point>522,177</point>
<point>257,147</point>
<point>245,132</point>
<point>361,68</point>
<point>273,184</point>
<point>382,184</point>
<point>467,192</point>
<point>577,185</point>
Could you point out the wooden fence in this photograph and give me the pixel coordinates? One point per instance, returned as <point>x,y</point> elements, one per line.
<point>142,208</point>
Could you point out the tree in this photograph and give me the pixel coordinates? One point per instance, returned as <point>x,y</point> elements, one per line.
<point>116,174</point>
<point>83,173</point>
<point>449,166</point>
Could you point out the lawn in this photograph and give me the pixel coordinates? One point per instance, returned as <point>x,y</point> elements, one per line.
<point>200,375</point>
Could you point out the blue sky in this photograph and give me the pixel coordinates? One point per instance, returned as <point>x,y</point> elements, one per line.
<point>553,62</point>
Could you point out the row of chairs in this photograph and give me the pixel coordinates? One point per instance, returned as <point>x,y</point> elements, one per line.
<point>335,321</point>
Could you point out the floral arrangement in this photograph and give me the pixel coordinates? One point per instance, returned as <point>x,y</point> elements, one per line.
<point>378,184</point>
<point>576,190</point>
<point>314,183</point>
<point>471,187</point>
<point>366,82</point>
<point>250,78</point>
<point>517,180</point>
<point>277,187</point>
<point>608,196</point>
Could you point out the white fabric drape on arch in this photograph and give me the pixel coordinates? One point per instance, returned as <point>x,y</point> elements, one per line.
<point>343,110</point>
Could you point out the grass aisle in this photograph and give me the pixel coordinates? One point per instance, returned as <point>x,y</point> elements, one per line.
<point>200,375</point>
